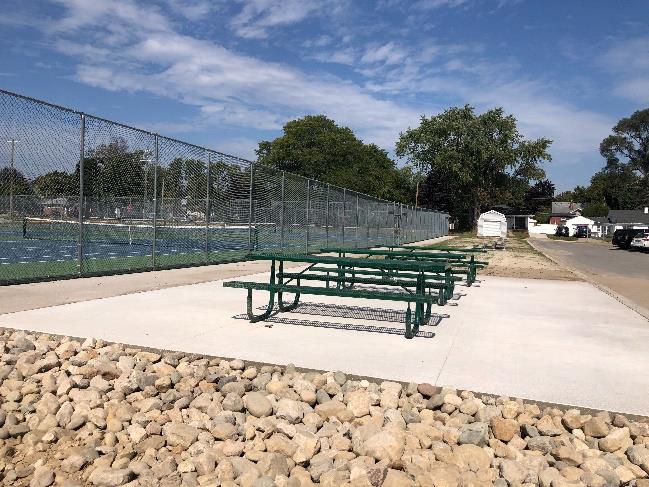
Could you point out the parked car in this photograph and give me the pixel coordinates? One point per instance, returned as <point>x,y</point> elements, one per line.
<point>624,236</point>
<point>562,231</point>
<point>582,231</point>
<point>641,240</point>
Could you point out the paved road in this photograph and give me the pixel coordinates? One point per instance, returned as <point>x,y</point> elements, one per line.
<point>623,271</point>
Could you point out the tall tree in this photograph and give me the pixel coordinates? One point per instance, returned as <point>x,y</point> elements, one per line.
<point>12,181</point>
<point>539,195</point>
<point>56,183</point>
<point>482,157</point>
<point>316,147</point>
<point>628,147</point>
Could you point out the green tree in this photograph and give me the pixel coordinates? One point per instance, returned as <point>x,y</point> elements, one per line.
<point>112,170</point>
<point>56,183</point>
<point>628,147</point>
<point>539,195</point>
<point>483,159</point>
<point>316,147</point>
<point>12,181</point>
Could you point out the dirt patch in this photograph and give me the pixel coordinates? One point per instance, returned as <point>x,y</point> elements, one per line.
<point>518,259</point>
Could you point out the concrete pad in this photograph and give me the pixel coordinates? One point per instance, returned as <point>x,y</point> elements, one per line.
<point>524,338</point>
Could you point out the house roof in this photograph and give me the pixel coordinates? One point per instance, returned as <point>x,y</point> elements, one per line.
<point>565,207</point>
<point>628,216</point>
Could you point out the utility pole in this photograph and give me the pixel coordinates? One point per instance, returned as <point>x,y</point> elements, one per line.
<point>12,178</point>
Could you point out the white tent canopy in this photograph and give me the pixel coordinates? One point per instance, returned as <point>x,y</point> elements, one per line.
<point>492,224</point>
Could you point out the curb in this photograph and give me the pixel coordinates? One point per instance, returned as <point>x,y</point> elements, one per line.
<point>641,310</point>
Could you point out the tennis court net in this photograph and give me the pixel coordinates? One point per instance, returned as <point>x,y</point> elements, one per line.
<point>197,236</point>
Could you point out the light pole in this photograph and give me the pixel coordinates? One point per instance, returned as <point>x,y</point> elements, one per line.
<point>12,179</point>
<point>146,159</point>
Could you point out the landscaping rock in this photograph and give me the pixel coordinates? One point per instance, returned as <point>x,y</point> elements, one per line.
<point>76,413</point>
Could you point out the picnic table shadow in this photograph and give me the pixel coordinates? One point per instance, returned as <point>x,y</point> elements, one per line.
<point>345,311</point>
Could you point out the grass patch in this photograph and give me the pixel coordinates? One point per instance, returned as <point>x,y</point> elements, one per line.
<point>567,239</point>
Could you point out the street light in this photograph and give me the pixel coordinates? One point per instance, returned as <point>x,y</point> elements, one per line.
<point>13,143</point>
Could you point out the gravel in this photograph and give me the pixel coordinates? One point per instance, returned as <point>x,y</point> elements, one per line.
<point>86,412</point>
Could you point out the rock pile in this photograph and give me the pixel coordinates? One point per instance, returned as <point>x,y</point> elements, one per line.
<point>93,413</point>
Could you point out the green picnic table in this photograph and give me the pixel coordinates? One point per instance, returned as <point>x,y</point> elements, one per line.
<point>458,261</point>
<point>414,281</point>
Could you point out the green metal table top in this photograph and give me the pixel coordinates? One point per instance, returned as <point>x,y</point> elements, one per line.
<point>402,265</point>
<point>395,253</point>
<point>438,247</point>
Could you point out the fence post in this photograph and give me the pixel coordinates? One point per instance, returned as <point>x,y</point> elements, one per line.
<point>208,206</point>
<point>252,175</point>
<point>81,195</point>
<point>281,215</point>
<point>327,218</point>
<point>357,222</point>
<point>344,208</point>
<point>308,204</point>
<point>155,199</point>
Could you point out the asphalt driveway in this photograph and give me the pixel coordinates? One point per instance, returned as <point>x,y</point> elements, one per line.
<point>625,272</point>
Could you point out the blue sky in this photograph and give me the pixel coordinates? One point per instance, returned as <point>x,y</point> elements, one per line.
<point>226,74</point>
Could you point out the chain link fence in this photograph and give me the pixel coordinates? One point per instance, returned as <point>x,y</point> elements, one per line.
<point>81,196</point>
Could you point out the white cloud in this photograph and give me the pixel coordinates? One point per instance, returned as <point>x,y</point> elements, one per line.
<point>628,61</point>
<point>192,9</point>
<point>347,56</point>
<point>257,16</point>
<point>228,87</point>
<point>635,89</point>
<point>388,53</point>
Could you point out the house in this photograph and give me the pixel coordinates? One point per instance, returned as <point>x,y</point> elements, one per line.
<point>492,224</point>
<point>563,211</point>
<point>627,218</point>
<point>579,221</point>
<point>520,222</point>
<point>622,219</point>
<point>517,219</point>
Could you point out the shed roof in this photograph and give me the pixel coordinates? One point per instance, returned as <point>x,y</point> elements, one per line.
<point>493,215</point>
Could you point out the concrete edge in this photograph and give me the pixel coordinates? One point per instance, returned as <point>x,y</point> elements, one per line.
<point>541,404</point>
<point>641,310</point>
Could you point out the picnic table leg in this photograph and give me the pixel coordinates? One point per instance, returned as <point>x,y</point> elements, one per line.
<point>408,333</point>
<point>292,306</point>
<point>271,301</point>
<point>470,276</point>
<point>419,307</point>
<point>450,285</point>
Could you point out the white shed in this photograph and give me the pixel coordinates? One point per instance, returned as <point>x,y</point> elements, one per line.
<point>579,221</point>
<point>492,224</point>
